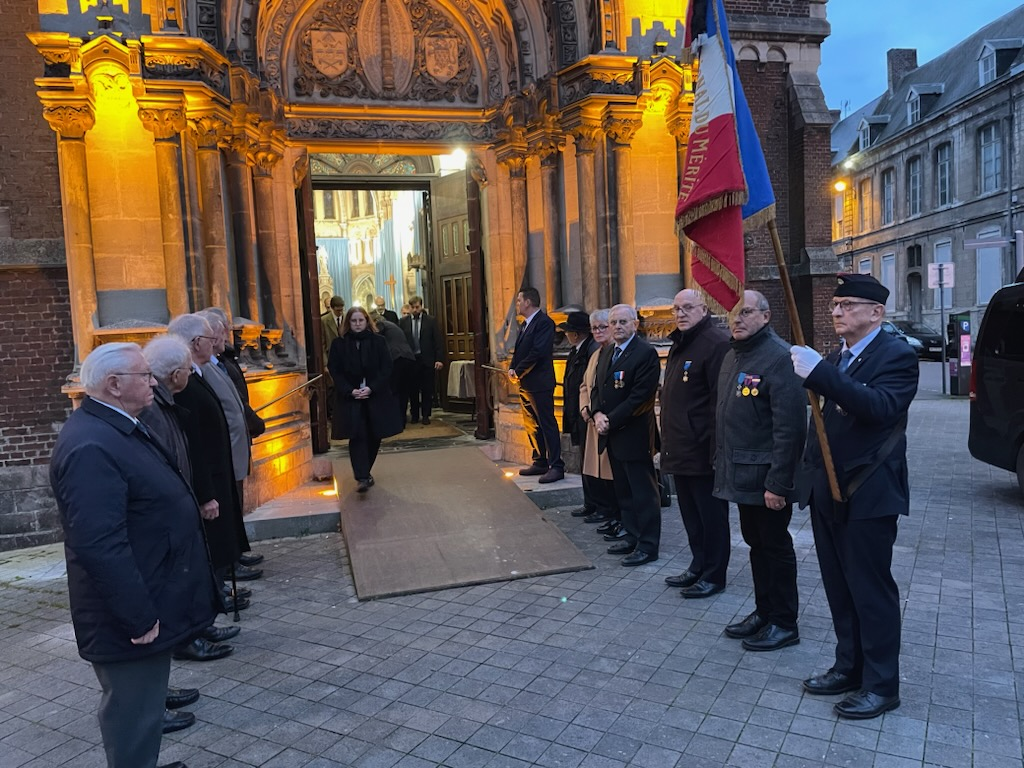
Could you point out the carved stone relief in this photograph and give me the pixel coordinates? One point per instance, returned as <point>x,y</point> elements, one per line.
<point>404,130</point>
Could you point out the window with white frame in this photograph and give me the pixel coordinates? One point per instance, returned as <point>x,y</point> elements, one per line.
<point>914,183</point>
<point>986,66</point>
<point>888,195</point>
<point>864,266</point>
<point>866,219</point>
<point>990,158</point>
<point>864,137</point>
<point>888,279</point>
<point>989,266</point>
<point>943,254</point>
<point>837,215</point>
<point>943,178</point>
<point>913,108</point>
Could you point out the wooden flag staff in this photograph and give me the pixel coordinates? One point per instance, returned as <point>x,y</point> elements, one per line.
<point>798,339</point>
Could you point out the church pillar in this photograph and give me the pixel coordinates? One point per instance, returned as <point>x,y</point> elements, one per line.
<point>266,235</point>
<point>678,124</point>
<point>621,126</point>
<point>71,120</point>
<point>206,132</point>
<point>586,133</point>
<point>515,161</point>
<point>243,226</point>
<point>550,186</point>
<point>166,122</point>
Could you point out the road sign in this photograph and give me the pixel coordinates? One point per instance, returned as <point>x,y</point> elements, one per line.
<point>946,280</point>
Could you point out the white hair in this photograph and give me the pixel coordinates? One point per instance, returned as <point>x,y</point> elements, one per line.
<point>219,313</point>
<point>627,309</point>
<point>105,360</point>
<point>189,327</point>
<point>165,354</point>
<point>217,323</point>
<point>599,316</point>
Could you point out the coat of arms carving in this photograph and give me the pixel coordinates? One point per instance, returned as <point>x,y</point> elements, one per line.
<point>442,57</point>
<point>330,51</point>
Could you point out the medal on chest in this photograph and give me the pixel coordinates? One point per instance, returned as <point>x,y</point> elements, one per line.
<point>619,379</point>
<point>686,370</point>
<point>748,385</point>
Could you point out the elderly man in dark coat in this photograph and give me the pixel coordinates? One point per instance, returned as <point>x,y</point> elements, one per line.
<point>868,387</point>
<point>760,422</point>
<point>576,328</point>
<point>138,579</point>
<point>688,397</point>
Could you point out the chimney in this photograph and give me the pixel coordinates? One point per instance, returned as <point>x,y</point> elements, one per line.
<point>836,115</point>
<point>900,62</point>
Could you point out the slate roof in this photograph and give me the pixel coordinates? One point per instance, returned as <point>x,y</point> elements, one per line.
<point>956,70</point>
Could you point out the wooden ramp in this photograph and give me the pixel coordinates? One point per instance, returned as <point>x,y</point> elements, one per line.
<point>444,518</point>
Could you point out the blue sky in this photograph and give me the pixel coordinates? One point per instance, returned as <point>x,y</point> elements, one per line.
<point>853,57</point>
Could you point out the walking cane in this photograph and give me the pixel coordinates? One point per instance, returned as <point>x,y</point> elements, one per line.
<point>234,592</point>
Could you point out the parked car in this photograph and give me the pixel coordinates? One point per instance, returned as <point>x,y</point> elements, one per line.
<point>997,384</point>
<point>931,340</point>
<point>913,341</point>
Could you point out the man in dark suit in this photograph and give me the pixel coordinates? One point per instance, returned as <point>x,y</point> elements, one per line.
<point>139,582</point>
<point>331,324</point>
<point>388,314</point>
<point>868,387</point>
<point>623,411</point>
<point>533,369</point>
<point>427,344</point>
<point>576,328</point>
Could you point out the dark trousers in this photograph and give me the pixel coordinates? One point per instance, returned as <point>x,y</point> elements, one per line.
<point>131,712</point>
<point>541,428</point>
<point>362,453</point>
<point>772,562</point>
<point>599,497</point>
<point>706,520</point>
<point>421,389</point>
<point>402,375</point>
<point>856,570</point>
<point>636,490</point>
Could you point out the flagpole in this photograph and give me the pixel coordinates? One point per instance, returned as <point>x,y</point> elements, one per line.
<point>798,339</point>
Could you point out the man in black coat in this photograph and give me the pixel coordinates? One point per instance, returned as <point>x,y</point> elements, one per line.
<point>623,413</point>
<point>428,345</point>
<point>138,579</point>
<point>532,368</point>
<point>688,398</point>
<point>868,387</point>
<point>388,314</point>
<point>576,328</point>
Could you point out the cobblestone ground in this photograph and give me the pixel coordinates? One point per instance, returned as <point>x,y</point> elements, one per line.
<point>598,669</point>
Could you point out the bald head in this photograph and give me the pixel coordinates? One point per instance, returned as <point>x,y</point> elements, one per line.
<point>689,308</point>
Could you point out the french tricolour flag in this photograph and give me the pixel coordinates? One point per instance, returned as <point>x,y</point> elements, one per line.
<point>725,182</point>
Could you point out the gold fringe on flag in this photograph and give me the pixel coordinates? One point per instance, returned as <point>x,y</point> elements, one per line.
<point>759,219</point>
<point>718,269</point>
<point>723,201</point>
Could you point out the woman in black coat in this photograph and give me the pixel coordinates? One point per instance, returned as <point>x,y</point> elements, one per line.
<point>365,411</point>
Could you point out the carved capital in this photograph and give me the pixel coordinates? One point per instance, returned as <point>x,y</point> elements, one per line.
<point>679,125</point>
<point>516,164</point>
<point>70,121</point>
<point>241,148</point>
<point>163,122</point>
<point>207,131</point>
<point>586,136</point>
<point>622,128</point>
<point>264,160</point>
<point>299,169</point>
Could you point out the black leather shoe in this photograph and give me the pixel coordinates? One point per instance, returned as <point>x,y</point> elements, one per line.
<point>639,557</point>
<point>597,517</point>
<point>581,512</point>
<point>608,526</point>
<point>240,592</point>
<point>175,764</point>
<point>615,534</point>
<point>685,579</point>
<point>533,469</point>
<point>363,487</point>
<point>771,638</point>
<point>831,683</point>
<point>229,604</point>
<point>181,697</point>
<point>749,627</point>
<point>176,721</point>
<point>622,548</point>
<point>864,705</point>
<point>250,559</point>
<point>425,421</point>
<point>202,650</point>
<point>220,634</point>
<point>243,573</point>
<point>701,588</point>
<point>553,475</point>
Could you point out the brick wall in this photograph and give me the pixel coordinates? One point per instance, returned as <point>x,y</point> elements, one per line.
<point>785,8</point>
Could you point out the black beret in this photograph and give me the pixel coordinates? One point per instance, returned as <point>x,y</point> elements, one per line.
<point>575,321</point>
<point>861,287</point>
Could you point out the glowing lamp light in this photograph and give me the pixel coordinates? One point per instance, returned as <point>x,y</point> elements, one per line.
<point>509,474</point>
<point>839,186</point>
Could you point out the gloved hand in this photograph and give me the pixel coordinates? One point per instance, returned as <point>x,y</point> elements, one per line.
<point>804,360</point>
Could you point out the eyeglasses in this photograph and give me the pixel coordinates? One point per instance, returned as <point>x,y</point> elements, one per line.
<point>748,311</point>
<point>621,322</point>
<point>211,338</point>
<point>146,374</point>
<point>846,305</point>
<point>599,327</point>
<point>686,308</point>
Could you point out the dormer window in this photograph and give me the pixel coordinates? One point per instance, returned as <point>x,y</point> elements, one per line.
<point>996,57</point>
<point>913,109</point>
<point>987,66</point>
<point>865,136</point>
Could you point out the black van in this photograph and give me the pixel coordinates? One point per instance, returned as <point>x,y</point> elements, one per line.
<point>997,383</point>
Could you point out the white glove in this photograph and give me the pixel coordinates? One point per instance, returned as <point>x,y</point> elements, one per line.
<point>804,360</point>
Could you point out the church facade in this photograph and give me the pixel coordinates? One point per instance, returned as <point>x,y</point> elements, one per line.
<point>157,158</point>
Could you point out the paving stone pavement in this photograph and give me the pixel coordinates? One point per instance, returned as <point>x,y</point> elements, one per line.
<point>598,669</point>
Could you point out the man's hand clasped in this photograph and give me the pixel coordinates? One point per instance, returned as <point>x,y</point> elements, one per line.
<point>363,393</point>
<point>804,360</point>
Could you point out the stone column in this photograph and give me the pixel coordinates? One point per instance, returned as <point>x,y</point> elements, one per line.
<point>266,234</point>
<point>71,121</point>
<point>621,128</point>
<point>678,124</point>
<point>207,132</point>
<point>550,185</point>
<point>515,162</point>
<point>166,125</point>
<point>585,135</point>
<point>243,226</point>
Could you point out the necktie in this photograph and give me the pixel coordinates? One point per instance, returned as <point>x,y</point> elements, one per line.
<point>844,360</point>
<point>616,355</point>
<point>144,430</point>
<point>339,326</point>
<point>416,335</point>
<point>221,366</point>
